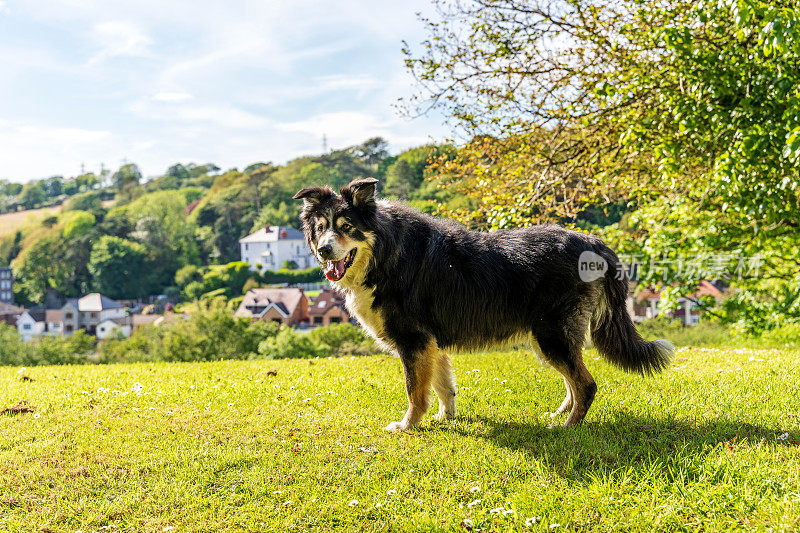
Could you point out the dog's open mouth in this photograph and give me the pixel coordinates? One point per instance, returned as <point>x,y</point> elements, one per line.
<point>335,270</point>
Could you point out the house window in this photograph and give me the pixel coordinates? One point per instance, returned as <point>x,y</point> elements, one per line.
<point>26,326</point>
<point>68,316</point>
<point>317,320</point>
<point>245,247</point>
<point>335,320</point>
<point>93,315</point>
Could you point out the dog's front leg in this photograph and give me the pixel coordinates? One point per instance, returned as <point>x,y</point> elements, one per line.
<point>418,366</point>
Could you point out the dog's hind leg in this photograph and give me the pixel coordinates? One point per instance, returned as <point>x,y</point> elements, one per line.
<point>565,354</point>
<point>444,383</point>
<point>566,404</point>
<point>419,366</point>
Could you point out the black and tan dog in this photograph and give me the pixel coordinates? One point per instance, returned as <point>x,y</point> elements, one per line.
<point>423,286</point>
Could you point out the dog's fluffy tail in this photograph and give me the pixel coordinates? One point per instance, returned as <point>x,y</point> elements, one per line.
<point>612,329</point>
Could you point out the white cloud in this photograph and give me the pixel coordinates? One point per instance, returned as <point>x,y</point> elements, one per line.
<point>167,96</point>
<point>118,38</point>
<point>232,83</point>
<point>35,149</point>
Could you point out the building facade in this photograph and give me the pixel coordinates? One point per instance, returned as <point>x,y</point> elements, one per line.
<point>271,246</point>
<point>6,286</point>
<point>288,306</point>
<point>94,313</point>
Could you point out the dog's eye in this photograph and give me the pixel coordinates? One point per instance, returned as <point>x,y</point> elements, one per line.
<point>346,227</point>
<point>320,226</point>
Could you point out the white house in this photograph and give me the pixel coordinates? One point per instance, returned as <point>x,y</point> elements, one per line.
<point>31,324</point>
<point>272,245</point>
<point>95,309</point>
<point>94,313</point>
<point>110,327</point>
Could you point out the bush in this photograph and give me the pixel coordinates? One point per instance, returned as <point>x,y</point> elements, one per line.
<point>704,333</point>
<point>786,336</point>
<point>335,340</point>
<point>288,344</point>
<point>210,333</point>
<point>342,339</point>
<point>308,275</point>
<point>46,350</point>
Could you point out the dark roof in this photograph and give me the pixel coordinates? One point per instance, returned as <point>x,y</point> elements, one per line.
<point>37,314</point>
<point>286,300</point>
<point>327,299</point>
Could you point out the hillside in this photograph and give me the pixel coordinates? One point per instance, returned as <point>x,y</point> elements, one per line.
<point>711,444</point>
<point>11,222</point>
<point>121,226</point>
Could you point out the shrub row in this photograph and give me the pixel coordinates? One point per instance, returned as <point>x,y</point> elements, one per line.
<point>210,333</point>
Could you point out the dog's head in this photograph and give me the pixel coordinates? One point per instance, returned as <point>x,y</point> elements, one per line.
<point>338,227</point>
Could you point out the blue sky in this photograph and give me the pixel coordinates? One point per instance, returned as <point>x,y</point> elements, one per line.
<point>163,81</point>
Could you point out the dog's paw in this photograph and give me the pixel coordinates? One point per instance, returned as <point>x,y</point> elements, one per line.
<point>441,416</point>
<point>395,427</point>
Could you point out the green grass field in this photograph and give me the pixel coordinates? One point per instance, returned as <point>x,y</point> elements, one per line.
<point>711,444</point>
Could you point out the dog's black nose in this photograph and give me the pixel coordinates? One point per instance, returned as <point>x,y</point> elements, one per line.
<point>325,251</point>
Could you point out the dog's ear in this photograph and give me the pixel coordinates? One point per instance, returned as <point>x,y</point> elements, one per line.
<point>360,193</point>
<point>313,195</point>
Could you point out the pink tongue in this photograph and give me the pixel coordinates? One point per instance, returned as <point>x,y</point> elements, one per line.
<point>335,270</point>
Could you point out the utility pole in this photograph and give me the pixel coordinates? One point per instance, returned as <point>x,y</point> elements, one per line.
<point>324,144</point>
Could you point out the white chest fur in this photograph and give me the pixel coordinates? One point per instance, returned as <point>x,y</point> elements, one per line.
<point>359,302</point>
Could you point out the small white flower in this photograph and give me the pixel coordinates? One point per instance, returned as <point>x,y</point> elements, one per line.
<point>553,526</point>
<point>532,520</point>
<point>473,503</point>
<point>782,436</point>
<point>353,503</point>
<point>391,492</point>
<point>496,510</point>
<point>276,492</point>
<point>508,390</point>
<point>137,388</point>
<point>37,415</point>
<point>467,523</point>
<point>167,528</point>
<point>504,381</point>
<point>287,503</point>
<point>230,404</point>
<point>378,504</point>
<point>508,511</point>
<point>476,488</point>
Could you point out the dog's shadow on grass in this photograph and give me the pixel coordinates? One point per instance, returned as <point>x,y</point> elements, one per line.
<point>626,441</point>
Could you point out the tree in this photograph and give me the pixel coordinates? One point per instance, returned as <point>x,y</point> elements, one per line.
<point>128,174</point>
<point>119,268</point>
<point>372,151</point>
<point>688,111</point>
<point>77,224</point>
<point>32,195</point>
